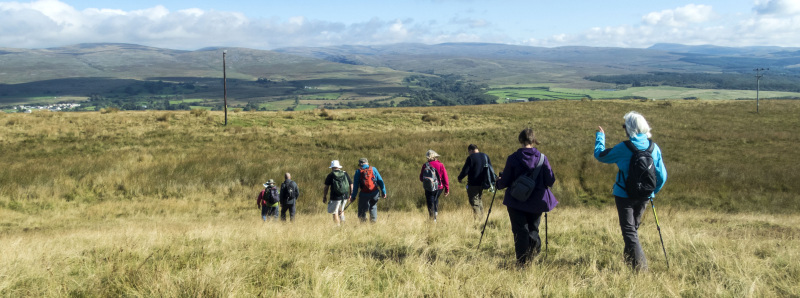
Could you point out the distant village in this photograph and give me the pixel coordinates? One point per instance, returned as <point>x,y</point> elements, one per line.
<point>52,107</point>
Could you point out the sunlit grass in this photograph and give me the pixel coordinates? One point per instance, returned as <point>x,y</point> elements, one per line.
<point>139,203</point>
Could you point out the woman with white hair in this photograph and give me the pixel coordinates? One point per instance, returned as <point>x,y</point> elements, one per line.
<point>434,181</point>
<point>636,184</point>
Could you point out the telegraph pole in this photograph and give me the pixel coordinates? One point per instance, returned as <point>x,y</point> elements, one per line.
<point>225,86</point>
<point>758,83</point>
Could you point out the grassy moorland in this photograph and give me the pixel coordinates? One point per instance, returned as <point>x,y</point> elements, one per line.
<point>161,203</point>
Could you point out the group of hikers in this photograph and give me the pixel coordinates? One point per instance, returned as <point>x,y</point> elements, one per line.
<point>527,176</point>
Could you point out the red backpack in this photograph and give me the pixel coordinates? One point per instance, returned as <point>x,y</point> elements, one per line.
<point>367,180</point>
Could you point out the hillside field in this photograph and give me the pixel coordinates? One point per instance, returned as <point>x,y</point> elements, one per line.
<point>162,203</point>
<point>660,92</point>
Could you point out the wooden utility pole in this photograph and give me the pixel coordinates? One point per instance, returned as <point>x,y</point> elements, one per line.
<point>225,86</point>
<point>758,83</point>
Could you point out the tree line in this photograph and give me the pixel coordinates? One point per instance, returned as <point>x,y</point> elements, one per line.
<point>446,90</point>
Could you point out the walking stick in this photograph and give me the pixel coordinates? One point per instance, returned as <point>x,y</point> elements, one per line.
<point>348,205</point>
<point>487,218</point>
<point>546,249</point>
<point>659,231</point>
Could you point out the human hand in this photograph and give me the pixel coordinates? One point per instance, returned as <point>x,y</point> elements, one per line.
<point>600,130</point>
<point>447,194</point>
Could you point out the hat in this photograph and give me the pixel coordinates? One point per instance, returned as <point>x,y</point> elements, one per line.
<point>335,164</point>
<point>363,161</point>
<point>269,182</point>
<point>431,154</point>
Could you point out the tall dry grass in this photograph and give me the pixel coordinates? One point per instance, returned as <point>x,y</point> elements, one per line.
<point>719,155</point>
<point>191,250</point>
<point>134,203</point>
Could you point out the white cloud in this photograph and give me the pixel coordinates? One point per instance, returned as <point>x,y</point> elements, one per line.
<point>777,7</point>
<point>48,23</point>
<point>695,25</point>
<point>681,16</point>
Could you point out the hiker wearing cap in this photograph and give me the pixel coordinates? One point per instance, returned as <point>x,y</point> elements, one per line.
<point>434,180</point>
<point>269,200</point>
<point>289,194</point>
<point>525,210</point>
<point>372,189</point>
<point>480,175</point>
<point>341,186</point>
<point>630,207</point>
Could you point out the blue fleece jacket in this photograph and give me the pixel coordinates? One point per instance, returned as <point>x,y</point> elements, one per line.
<point>621,155</point>
<point>357,181</point>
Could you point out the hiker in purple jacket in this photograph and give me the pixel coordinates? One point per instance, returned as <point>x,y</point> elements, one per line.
<point>525,216</point>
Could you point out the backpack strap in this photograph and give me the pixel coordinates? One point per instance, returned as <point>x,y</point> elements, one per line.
<point>633,149</point>
<point>631,146</point>
<point>533,173</point>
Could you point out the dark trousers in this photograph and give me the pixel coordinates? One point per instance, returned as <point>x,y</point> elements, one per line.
<point>368,202</point>
<point>630,216</point>
<point>525,227</point>
<point>269,212</point>
<point>474,192</point>
<point>432,200</point>
<point>292,208</point>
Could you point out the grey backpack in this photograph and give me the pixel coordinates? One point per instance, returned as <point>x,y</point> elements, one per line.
<point>522,188</point>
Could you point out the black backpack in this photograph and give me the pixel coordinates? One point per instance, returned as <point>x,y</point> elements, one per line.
<point>641,180</point>
<point>491,177</point>
<point>430,178</point>
<point>272,195</point>
<point>287,191</point>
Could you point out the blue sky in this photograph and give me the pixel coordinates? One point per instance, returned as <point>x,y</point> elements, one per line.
<point>189,25</point>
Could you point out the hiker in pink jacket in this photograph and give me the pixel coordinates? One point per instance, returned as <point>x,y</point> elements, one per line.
<point>434,180</point>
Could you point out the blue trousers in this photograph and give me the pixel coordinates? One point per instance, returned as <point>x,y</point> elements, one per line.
<point>368,202</point>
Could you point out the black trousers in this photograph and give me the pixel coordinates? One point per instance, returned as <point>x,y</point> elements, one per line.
<point>432,200</point>
<point>525,227</point>
<point>292,208</point>
<point>630,216</point>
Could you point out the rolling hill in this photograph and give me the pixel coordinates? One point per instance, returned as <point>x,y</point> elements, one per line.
<point>138,76</point>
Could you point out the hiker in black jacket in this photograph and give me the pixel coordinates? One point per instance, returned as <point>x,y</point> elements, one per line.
<point>478,177</point>
<point>289,195</point>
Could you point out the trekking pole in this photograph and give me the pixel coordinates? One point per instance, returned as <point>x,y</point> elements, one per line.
<point>348,205</point>
<point>487,218</point>
<point>659,231</point>
<point>546,248</point>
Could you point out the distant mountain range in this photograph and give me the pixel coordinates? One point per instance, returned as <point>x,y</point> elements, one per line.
<point>377,66</point>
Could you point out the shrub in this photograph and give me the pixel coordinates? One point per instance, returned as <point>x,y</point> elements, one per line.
<point>324,113</point>
<point>110,110</point>
<point>430,118</point>
<point>199,112</point>
<point>164,117</point>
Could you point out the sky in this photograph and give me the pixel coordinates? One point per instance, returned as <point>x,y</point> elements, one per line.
<point>268,24</point>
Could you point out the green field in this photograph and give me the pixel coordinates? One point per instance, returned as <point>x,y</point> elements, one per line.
<point>544,93</point>
<point>175,102</point>
<point>321,96</point>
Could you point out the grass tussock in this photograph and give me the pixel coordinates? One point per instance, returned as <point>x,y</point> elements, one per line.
<point>110,110</point>
<point>199,112</point>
